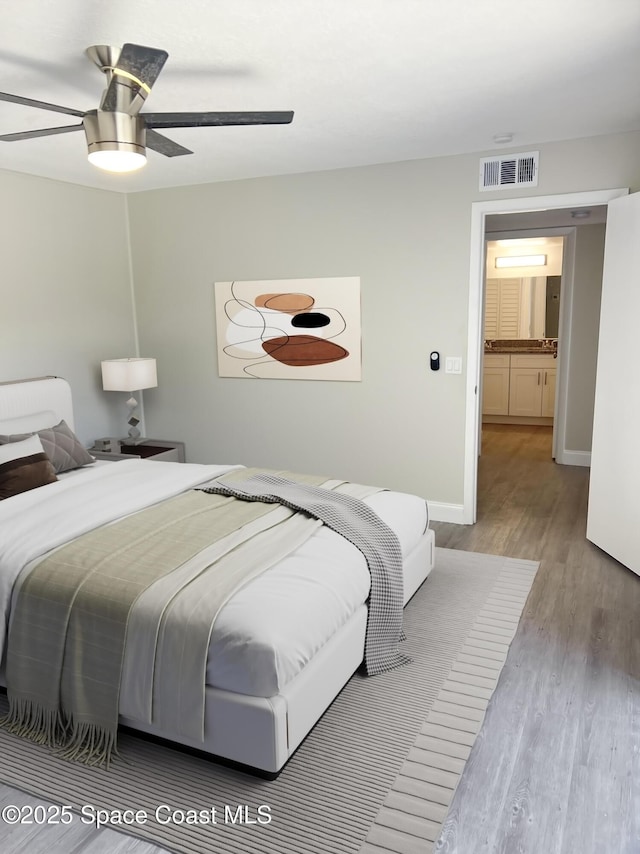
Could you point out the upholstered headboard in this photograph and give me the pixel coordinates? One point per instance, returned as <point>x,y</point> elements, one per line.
<point>29,405</point>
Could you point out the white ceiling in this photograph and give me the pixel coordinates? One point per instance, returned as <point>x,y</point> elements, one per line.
<point>370,81</point>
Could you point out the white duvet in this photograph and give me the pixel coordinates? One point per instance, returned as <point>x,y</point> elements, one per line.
<point>272,627</point>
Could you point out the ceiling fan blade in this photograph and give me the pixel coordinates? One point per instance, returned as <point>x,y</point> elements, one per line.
<point>145,63</point>
<point>135,72</point>
<point>195,120</point>
<point>163,145</point>
<point>41,105</point>
<point>33,134</point>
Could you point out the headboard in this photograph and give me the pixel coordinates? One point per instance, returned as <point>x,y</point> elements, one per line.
<point>29,399</point>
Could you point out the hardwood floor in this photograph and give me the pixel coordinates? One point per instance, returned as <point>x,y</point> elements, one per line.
<point>557,767</point>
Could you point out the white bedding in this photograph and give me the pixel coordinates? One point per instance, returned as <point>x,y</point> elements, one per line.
<point>271,628</point>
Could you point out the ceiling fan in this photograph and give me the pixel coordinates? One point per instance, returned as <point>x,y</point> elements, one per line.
<point>117,133</point>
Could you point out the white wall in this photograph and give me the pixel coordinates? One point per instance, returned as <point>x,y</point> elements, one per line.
<point>404,228</point>
<point>359,222</point>
<point>65,291</point>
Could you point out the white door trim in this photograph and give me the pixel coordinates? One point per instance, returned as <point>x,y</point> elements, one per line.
<point>479,211</point>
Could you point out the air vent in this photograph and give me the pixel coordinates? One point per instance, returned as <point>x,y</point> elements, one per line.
<point>512,170</point>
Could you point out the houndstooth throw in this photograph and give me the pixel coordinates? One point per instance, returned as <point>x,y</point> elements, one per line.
<point>358,523</point>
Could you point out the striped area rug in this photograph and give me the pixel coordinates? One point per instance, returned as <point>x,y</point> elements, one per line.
<point>374,776</point>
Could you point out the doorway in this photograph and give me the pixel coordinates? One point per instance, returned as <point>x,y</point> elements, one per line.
<point>524,268</point>
<point>480,212</point>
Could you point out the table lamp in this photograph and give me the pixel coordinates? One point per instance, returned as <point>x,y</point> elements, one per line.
<point>129,375</point>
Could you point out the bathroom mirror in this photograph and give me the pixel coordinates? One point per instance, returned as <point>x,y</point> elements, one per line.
<point>526,307</point>
<point>522,287</point>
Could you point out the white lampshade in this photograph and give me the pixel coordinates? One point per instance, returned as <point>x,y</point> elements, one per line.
<point>129,374</point>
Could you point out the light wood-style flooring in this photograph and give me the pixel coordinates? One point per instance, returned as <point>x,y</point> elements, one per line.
<point>556,769</point>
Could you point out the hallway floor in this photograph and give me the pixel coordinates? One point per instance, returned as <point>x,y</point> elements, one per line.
<point>556,768</point>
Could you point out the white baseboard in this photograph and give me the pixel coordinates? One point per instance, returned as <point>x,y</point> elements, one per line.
<point>441,512</point>
<point>574,458</point>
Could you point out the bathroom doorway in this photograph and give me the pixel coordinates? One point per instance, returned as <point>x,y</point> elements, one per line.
<point>561,206</point>
<point>522,293</point>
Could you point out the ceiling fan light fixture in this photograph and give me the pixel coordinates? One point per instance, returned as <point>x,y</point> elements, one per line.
<point>117,134</point>
<point>116,158</point>
<point>116,141</point>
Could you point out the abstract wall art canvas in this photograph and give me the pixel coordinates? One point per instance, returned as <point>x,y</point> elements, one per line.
<point>303,329</point>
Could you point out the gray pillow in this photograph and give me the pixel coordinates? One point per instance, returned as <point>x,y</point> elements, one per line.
<point>61,445</point>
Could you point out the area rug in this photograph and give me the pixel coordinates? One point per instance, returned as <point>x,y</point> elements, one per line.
<point>376,773</point>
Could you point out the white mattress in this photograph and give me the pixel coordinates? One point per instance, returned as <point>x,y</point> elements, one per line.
<point>271,628</point>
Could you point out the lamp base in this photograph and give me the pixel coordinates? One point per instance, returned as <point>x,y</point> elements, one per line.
<point>133,420</point>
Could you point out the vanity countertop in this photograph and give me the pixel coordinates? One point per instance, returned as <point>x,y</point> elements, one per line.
<point>522,345</point>
<point>502,350</point>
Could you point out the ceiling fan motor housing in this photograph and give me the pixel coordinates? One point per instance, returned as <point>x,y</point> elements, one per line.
<point>111,131</point>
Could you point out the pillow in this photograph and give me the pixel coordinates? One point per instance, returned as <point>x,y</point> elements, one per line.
<point>61,445</point>
<point>24,466</point>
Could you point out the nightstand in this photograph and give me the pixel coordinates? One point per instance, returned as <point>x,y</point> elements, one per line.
<point>146,449</point>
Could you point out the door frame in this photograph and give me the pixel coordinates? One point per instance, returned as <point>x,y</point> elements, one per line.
<point>479,212</point>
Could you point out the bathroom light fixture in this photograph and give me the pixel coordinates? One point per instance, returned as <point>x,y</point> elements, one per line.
<point>522,241</point>
<point>129,375</point>
<point>521,261</point>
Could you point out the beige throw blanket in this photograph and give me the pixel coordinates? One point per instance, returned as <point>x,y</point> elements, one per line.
<point>73,608</point>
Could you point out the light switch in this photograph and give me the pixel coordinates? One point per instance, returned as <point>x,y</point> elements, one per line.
<point>453,365</point>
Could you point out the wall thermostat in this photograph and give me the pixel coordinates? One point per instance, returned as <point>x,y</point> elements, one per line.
<point>434,361</point>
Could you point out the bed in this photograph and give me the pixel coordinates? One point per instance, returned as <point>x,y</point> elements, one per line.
<point>282,647</point>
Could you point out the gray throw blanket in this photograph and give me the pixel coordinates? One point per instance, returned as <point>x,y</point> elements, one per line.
<point>359,524</point>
